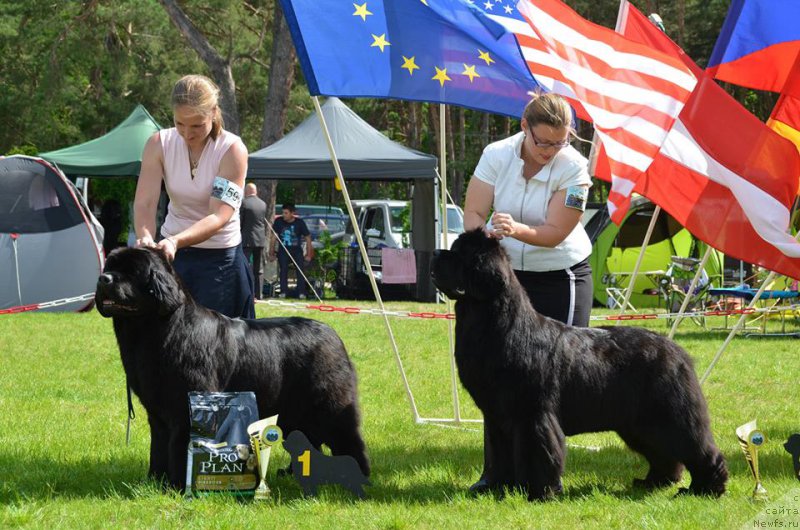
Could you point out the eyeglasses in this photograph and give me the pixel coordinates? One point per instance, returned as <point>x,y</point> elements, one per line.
<point>545,145</point>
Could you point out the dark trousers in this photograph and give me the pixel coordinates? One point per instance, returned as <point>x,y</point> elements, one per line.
<point>565,295</point>
<point>218,279</point>
<point>253,256</point>
<point>283,264</point>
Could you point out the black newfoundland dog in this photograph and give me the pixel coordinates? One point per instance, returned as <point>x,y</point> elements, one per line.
<point>170,345</point>
<point>537,380</point>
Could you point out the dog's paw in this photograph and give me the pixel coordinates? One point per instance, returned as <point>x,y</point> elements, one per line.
<point>650,484</point>
<point>482,487</point>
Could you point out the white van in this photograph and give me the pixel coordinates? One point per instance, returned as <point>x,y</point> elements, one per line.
<point>387,223</point>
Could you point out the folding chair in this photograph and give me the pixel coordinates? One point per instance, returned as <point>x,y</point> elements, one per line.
<point>675,283</point>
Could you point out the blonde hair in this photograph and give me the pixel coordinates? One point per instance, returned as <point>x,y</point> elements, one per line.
<point>549,109</point>
<point>200,94</point>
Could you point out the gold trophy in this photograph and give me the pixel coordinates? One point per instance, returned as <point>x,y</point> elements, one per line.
<point>263,435</point>
<point>750,438</point>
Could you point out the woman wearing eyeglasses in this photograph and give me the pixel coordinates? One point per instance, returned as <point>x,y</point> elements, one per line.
<point>537,185</point>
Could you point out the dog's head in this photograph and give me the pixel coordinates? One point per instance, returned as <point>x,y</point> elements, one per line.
<point>475,267</point>
<point>295,443</point>
<point>792,445</point>
<point>138,281</point>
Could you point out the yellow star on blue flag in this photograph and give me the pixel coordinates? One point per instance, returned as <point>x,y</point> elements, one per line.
<point>372,49</point>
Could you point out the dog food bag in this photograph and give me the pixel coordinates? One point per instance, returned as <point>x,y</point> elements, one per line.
<point>220,457</point>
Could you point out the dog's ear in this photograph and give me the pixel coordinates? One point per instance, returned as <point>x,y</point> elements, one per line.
<point>488,276</point>
<point>166,290</point>
<point>488,283</point>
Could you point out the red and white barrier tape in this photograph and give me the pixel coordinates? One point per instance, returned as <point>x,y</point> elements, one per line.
<point>350,310</point>
<point>44,305</point>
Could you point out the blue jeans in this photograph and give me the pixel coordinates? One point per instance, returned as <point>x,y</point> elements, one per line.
<point>219,279</point>
<point>283,264</point>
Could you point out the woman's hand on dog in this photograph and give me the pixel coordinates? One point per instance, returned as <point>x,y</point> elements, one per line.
<point>503,225</point>
<point>145,242</point>
<point>169,246</point>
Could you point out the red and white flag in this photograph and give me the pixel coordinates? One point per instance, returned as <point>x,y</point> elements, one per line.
<point>722,173</point>
<point>632,92</point>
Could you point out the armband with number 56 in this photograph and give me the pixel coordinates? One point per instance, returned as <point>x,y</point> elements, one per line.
<point>227,192</point>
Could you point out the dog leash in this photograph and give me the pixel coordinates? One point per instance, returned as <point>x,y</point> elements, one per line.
<point>131,414</point>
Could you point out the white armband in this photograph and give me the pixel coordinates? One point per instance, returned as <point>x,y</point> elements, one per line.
<point>227,192</point>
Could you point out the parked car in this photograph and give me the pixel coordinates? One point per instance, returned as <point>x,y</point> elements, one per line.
<point>334,224</point>
<point>387,223</point>
<point>304,210</point>
<point>383,223</point>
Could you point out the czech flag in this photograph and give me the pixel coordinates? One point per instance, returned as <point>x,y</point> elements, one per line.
<point>758,44</point>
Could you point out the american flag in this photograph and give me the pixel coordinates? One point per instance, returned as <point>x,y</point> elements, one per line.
<point>632,93</point>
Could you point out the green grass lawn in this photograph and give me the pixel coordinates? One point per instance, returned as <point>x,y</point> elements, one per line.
<point>64,462</point>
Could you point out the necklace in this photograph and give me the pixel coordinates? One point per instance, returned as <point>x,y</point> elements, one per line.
<point>192,163</point>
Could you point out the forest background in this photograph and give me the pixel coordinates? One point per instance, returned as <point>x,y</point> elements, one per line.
<point>71,71</point>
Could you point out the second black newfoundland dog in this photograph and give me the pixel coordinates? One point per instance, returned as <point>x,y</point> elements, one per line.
<point>537,380</point>
<point>298,368</point>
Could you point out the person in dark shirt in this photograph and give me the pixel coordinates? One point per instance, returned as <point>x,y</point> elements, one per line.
<point>111,219</point>
<point>254,237</point>
<point>291,231</point>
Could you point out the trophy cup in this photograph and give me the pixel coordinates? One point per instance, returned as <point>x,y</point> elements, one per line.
<point>750,438</point>
<point>263,435</point>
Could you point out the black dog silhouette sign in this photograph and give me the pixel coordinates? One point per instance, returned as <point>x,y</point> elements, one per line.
<point>792,447</point>
<point>312,468</point>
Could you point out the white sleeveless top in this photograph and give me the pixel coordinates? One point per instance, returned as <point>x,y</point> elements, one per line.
<point>189,198</point>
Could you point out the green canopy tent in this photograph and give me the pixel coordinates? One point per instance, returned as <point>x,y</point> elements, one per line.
<point>615,250</point>
<point>117,153</point>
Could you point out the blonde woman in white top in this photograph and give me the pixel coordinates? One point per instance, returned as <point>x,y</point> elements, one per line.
<point>537,185</point>
<point>203,168</point>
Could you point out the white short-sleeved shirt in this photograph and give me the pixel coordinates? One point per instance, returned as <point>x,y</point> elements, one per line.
<point>527,201</point>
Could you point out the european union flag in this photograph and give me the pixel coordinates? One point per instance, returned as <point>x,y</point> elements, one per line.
<point>443,51</point>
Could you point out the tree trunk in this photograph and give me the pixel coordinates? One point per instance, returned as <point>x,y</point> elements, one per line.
<point>411,131</point>
<point>219,66</point>
<point>417,117</point>
<point>281,78</point>
<point>433,114</point>
<point>484,129</point>
<point>451,151</point>
<point>681,22</point>
<point>458,182</point>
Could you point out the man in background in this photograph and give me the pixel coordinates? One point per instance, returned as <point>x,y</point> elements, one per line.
<point>254,223</point>
<point>288,247</point>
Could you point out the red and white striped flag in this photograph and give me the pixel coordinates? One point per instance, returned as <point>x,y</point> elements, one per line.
<point>631,92</point>
<point>723,174</point>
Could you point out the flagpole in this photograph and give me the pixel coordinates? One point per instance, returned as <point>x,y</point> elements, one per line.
<point>622,18</point>
<point>364,256</point>
<point>443,244</point>
<point>639,260</point>
<point>740,322</point>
